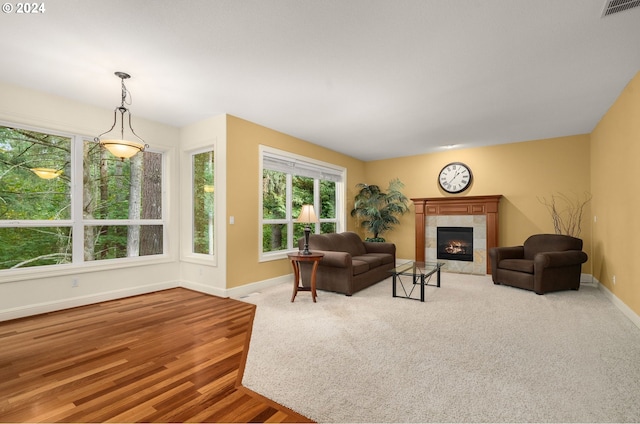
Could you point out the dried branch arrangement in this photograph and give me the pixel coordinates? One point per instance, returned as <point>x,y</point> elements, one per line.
<point>566,212</point>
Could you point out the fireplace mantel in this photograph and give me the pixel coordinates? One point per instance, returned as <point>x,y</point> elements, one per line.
<point>468,205</point>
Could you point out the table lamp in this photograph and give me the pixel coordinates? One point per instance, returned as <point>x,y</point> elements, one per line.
<point>307,216</point>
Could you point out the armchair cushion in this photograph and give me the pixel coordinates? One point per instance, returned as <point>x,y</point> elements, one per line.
<point>519,265</point>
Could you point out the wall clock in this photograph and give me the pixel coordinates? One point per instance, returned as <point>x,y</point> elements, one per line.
<point>455,177</point>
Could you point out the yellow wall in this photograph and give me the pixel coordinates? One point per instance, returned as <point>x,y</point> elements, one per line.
<point>243,180</point>
<point>615,147</point>
<point>522,172</point>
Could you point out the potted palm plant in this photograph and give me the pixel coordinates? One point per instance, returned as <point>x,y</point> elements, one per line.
<point>376,210</point>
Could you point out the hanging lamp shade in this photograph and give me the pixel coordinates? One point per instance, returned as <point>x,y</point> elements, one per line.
<point>47,173</point>
<point>115,142</point>
<point>122,149</point>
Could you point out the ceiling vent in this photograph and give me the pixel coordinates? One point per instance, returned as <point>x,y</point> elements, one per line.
<point>615,6</point>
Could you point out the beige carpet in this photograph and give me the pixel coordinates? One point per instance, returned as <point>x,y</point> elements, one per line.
<point>473,352</point>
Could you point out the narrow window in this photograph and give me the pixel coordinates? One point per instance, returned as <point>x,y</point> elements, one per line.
<point>203,202</point>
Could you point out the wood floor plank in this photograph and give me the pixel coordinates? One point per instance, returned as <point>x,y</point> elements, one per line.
<point>170,356</point>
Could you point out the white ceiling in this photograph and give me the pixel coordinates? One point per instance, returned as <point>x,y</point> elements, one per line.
<point>373,79</point>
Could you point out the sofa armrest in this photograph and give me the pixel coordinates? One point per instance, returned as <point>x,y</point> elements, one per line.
<point>559,259</point>
<point>375,247</point>
<point>335,259</point>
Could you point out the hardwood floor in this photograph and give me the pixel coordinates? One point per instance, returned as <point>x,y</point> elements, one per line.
<point>169,356</point>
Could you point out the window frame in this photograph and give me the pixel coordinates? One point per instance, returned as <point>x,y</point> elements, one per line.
<point>77,222</point>
<point>289,220</point>
<point>189,255</point>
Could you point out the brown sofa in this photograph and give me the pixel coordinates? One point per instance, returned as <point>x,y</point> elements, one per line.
<point>545,263</point>
<point>349,264</point>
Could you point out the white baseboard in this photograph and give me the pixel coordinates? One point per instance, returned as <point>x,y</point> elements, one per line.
<point>248,289</point>
<point>627,311</point>
<point>57,305</point>
<point>215,291</point>
<point>238,292</point>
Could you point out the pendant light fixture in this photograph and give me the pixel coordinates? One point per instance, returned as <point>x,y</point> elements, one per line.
<point>47,173</point>
<point>120,147</point>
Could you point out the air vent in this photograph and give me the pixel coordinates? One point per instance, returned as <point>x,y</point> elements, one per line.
<point>615,6</point>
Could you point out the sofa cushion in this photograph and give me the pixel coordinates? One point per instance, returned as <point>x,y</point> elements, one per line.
<point>372,260</point>
<point>520,265</point>
<point>351,243</point>
<point>359,267</point>
<point>320,242</point>
<point>385,258</point>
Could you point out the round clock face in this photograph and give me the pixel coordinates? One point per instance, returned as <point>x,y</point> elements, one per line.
<point>455,177</point>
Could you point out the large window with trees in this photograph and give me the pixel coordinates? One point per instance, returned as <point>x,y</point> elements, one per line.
<point>65,200</point>
<point>288,182</point>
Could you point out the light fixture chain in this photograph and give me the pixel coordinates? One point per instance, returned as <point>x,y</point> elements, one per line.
<point>125,92</point>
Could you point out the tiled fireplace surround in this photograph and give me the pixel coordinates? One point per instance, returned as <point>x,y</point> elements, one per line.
<point>479,212</point>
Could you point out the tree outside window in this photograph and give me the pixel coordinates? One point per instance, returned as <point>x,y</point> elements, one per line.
<point>43,205</point>
<point>107,208</point>
<point>203,202</point>
<point>287,184</point>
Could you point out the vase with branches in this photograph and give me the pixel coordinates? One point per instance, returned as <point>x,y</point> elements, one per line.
<point>566,212</point>
<point>377,210</point>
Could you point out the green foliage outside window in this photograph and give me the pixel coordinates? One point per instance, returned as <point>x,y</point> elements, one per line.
<point>203,202</point>
<point>36,219</point>
<point>275,202</point>
<point>24,196</point>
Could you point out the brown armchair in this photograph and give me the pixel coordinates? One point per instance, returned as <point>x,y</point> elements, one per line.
<point>545,263</point>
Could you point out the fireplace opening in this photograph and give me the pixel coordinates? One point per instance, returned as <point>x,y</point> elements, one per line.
<point>455,243</point>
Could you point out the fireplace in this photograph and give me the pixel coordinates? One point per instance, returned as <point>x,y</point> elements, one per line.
<point>427,208</point>
<point>455,243</point>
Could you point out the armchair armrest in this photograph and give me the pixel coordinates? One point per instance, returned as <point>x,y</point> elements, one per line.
<point>496,254</point>
<point>512,252</point>
<point>559,259</point>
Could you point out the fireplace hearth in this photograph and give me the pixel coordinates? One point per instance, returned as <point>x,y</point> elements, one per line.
<point>455,243</point>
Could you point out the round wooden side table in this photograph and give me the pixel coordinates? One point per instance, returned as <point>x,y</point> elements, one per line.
<point>296,259</point>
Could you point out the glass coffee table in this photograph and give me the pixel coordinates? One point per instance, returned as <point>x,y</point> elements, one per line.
<point>413,274</point>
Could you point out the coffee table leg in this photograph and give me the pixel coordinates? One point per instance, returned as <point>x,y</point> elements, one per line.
<point>438,276</point>
<point>421,287</point>
<point>394,284</point>
<point>296,277</point>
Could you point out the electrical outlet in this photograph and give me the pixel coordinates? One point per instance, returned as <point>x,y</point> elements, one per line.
<point>614,279</point>
<point>75,283</point>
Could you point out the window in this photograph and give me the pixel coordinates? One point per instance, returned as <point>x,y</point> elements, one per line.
<point>288,182</point>
<point>203,185</point>
<point>65,200</point>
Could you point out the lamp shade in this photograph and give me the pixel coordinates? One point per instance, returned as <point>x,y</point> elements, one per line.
<point>307,214</point>
<point>122,149</point>
<point>47,173</point>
